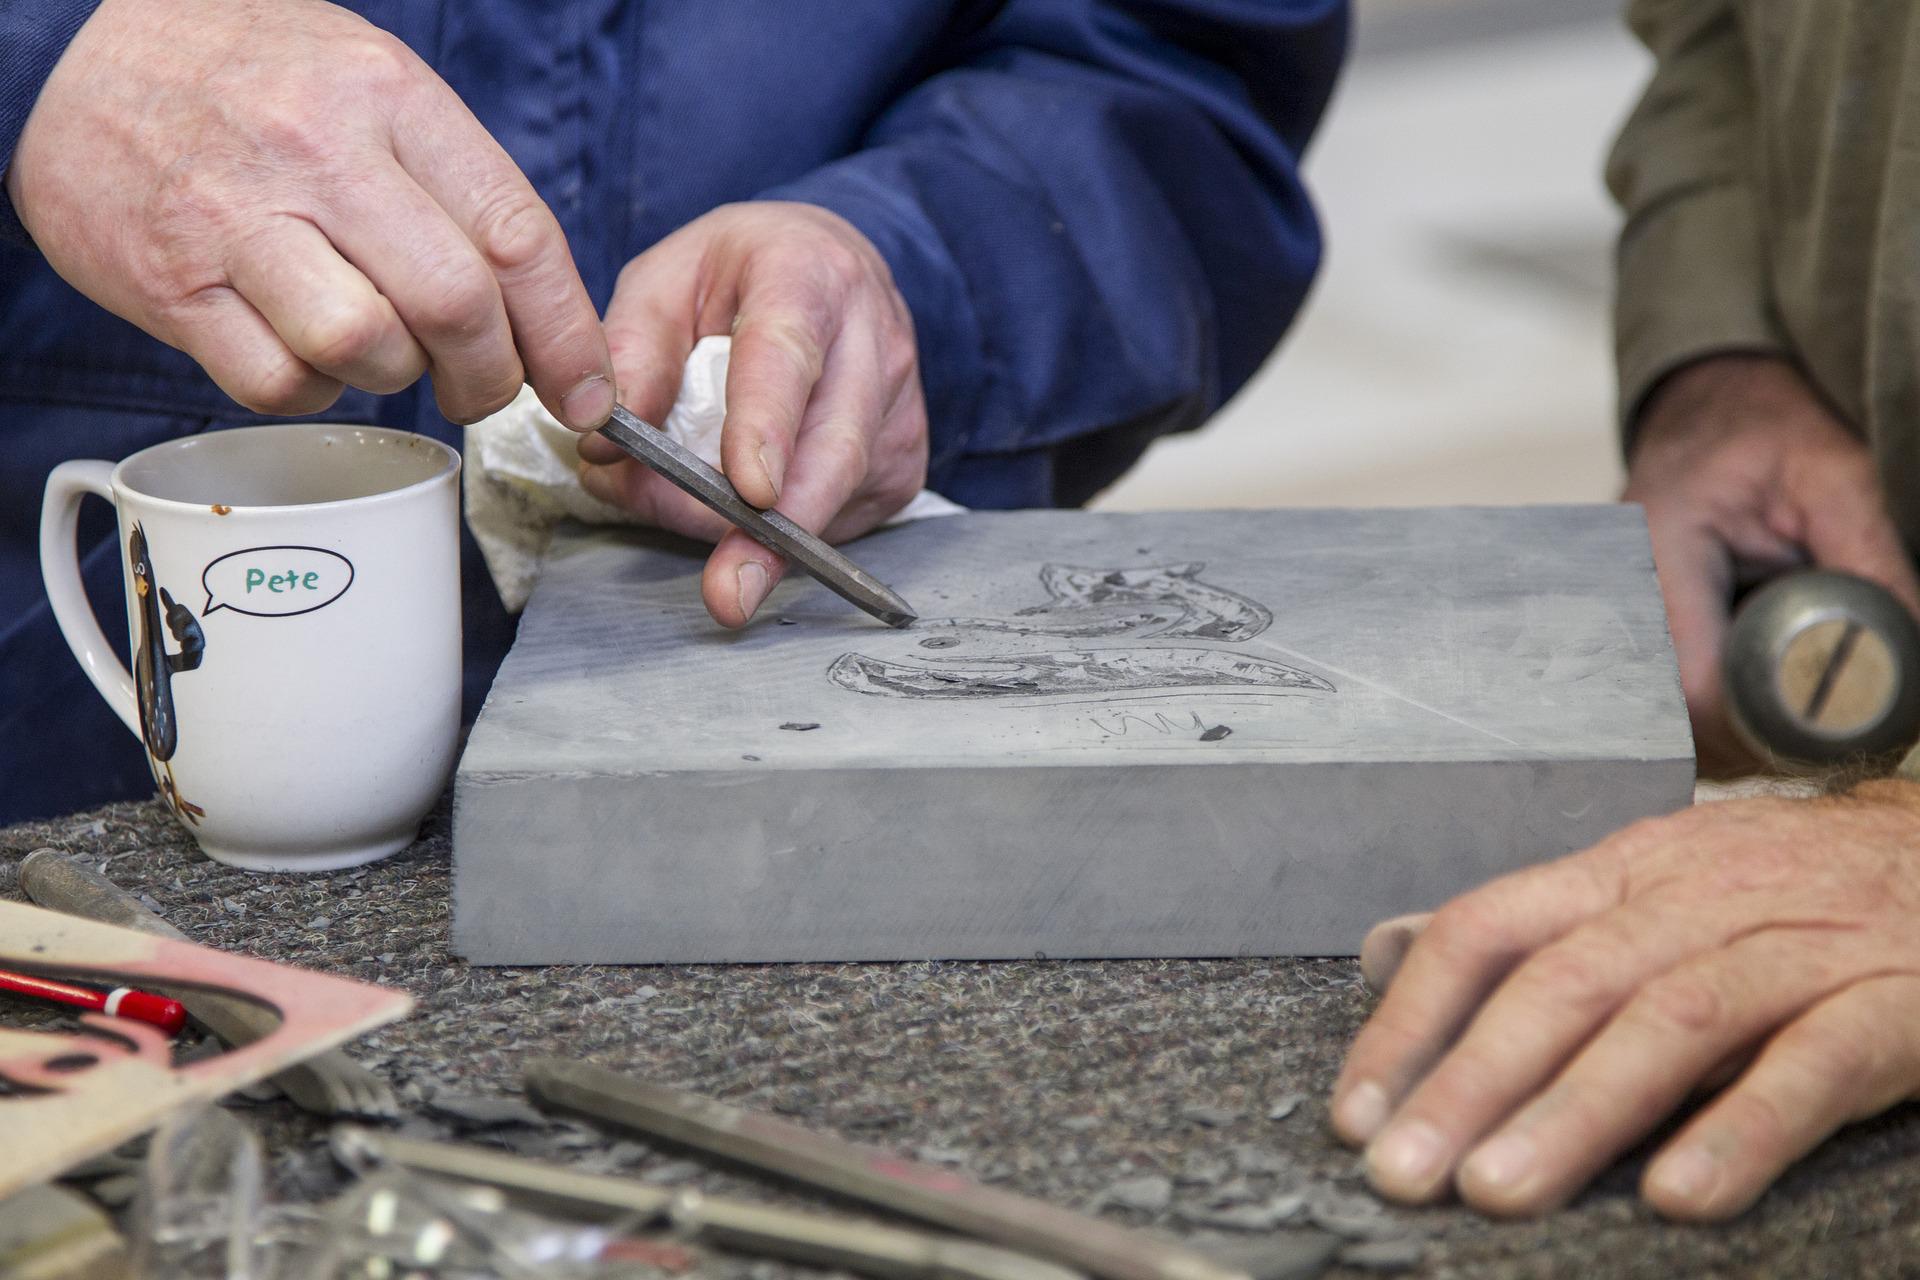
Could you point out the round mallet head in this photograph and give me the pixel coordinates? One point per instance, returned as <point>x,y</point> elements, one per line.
<point>1822,667</point>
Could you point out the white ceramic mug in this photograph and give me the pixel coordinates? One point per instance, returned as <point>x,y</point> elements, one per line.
<point>293,603</point>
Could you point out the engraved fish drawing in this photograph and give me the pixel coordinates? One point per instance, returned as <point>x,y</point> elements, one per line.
<point>1160,602</point>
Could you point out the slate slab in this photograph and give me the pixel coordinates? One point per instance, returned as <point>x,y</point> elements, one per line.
<point>1161,734</point>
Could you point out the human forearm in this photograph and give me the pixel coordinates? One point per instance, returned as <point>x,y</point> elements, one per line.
<point>1692,271</point>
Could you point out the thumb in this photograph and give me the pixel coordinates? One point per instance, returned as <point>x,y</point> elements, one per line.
<point>650,333</point>
<point>1696,581</point>
<point>1847,527</point>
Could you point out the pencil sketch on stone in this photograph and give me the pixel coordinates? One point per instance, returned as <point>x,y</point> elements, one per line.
<point>1154,603</point>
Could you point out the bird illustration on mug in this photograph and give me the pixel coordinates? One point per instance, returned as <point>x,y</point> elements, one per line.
<point>154,669</point>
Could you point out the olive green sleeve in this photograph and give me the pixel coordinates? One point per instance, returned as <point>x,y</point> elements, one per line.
<point>1692,273</point>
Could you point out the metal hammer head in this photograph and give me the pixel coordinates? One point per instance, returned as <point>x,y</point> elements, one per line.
<point>1822,667</point>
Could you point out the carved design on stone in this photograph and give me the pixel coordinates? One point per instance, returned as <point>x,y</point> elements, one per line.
<point>995,658</point>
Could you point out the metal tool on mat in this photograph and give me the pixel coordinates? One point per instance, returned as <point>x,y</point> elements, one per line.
<point>662,453</point>
<point>1821,667</point>
<point>863,1247</point>
<point>329,1083</point>
<point>879,1178</point>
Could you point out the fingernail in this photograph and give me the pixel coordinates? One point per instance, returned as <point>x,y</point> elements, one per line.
<point>1502,1164</point>
<point>1386,947</point>
<point>1410,1157</point>
<point>1688,1175</point>
<point>1362,1112</point>
<point>753,586</point>
<point>589,404</point>
<point>775,474</point>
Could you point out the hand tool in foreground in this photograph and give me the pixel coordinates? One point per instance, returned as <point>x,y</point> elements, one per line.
<point>1822,667</point>
<point>329,1083</point>
<point>121,1002</point>
<point>866,1248</point>
<point>903,1186</point>
<point>662,453</point>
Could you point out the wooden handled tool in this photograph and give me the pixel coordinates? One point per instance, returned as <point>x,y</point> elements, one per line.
<point>934,1195</point>
<point>329,1083</point>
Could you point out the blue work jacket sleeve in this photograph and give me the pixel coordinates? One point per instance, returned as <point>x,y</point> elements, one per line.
<point>33,35</point>
<point>1096,216</point>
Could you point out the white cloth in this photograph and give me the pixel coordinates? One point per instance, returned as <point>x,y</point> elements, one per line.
<point>522,473</point>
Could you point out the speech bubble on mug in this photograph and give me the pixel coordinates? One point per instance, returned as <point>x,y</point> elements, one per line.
<point>276,582</point>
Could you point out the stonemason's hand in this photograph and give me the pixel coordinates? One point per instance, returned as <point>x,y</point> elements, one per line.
<point>290,196</point>
<point>1544,1024</point>
<point>1743,471</point>
<point>825,417</point>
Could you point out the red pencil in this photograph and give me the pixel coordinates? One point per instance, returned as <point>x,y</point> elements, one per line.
<point>121,1002</point>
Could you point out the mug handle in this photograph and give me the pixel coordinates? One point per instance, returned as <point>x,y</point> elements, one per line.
<point>67,487</point>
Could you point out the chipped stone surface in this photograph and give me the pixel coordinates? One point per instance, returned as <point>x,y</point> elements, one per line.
<point>1248,1217</point>
<point>1209,1117</point>
<point>1054,1079</point>
<point>1149,1193</point>
<point>1201,1170</point>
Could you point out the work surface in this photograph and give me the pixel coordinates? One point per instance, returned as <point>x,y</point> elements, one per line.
<point>1057,1079</point>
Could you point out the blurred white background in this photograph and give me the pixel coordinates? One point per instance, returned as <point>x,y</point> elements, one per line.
<point>1457,347</point>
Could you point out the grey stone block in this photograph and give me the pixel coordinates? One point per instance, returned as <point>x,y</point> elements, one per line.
<point>1166,734</point>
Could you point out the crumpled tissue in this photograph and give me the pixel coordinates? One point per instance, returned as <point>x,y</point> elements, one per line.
<point>522,473</point>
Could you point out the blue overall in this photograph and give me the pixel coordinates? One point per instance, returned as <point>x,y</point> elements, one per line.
<point>1092,208</point>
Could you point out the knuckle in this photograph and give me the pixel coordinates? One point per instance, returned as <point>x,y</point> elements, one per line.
<point>1568,977</point>
<point>1391,1032</point>
<point>475,399</point>
<point>900,355</point>
<point>1471,1077</point>
<point>794,340</point>
<point>286,388</point>
<point>1644,831</point>
<point>514,231</point>
<point>460,301</point>
<point>499,398</point>
<point>1685,1002</point>
<point>291,128</point>
<point>577,335</point>
<point>345,336</point>
<point>1466,926</point>
<point>903,472</point>
<point>833,255</point>
<point>847,449</point>
<point>1817,1060</point>
<point>1758,1119</point>
<point>383,62</point>
<point>639,370</point>
<point>188,202</point>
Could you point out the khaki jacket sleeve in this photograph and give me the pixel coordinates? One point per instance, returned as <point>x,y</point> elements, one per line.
<point>1692,274</point>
